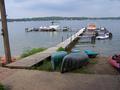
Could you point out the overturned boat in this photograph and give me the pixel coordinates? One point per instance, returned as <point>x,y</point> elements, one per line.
<point>74,61</point>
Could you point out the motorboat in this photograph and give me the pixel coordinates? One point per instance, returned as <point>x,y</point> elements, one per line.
<point>91,27</point>
<point>50,28</point>
<point>105,36</point>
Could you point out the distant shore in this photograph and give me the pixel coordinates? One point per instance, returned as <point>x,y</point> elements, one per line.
<point>61,18</point>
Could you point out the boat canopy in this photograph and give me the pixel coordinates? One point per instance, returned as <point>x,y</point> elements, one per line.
<point>91,27</point>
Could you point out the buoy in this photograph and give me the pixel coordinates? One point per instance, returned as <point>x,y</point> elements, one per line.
<point>3,60</point>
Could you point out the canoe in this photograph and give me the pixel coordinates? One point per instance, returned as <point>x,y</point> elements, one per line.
<point>91,54</point>
<point>56,59</point>
<point>74,61</point>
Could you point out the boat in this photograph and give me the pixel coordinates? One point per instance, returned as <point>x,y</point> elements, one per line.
<point>91,54</point>
<point>31,29</point>
<point>100,33</point>
<point>91,27</point>
<point>50,28</point>
<point>56,59</point>
<point>65,28</point>
<point>74,61</point>
<point>44,28</point>
<point>101,37</point>
<point>115,61</point>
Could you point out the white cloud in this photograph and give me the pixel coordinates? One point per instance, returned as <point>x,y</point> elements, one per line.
<point>34,8</point>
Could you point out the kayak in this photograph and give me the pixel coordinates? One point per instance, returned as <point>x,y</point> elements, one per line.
<point>91,54</point>
<point>115,61</point>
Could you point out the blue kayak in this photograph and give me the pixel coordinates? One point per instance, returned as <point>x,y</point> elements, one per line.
<point>91,54</point>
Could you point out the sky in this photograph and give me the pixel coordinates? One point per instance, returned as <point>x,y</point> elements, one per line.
<point>70,8</point>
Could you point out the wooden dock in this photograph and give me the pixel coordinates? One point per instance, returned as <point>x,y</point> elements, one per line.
<point>32,60</point>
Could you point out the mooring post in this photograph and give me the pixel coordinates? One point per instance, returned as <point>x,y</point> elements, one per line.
<point>62,38</point>
<point>67,35</point>
<point>5,32</point>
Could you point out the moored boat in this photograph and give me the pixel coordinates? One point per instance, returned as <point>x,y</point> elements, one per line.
<point>105,36</point>
<point>50,28</point>
<point>91,27</point>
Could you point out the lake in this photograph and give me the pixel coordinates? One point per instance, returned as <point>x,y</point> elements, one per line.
<point>21,40</point>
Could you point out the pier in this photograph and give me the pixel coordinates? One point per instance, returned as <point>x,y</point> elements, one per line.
<point>32,60</point>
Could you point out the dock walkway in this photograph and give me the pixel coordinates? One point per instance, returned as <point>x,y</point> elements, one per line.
<point>32,60</point>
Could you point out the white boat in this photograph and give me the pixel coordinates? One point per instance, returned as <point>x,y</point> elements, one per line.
<point>103,36</point>
<point>50,28</point>
<point>56,27</point>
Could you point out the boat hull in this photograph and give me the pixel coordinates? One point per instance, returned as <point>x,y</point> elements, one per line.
<point>114,63</point>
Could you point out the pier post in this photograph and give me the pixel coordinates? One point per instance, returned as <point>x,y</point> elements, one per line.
<point>93,38</point>
<point>5,32</point>
<point>67,35</point>
<point>62,38</point>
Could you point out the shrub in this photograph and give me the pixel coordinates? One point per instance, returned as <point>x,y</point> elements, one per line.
<point>31,52</point>
<point>60,49</point>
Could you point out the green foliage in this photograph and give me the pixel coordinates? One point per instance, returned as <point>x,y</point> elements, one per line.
<point>93,61</point>
<point>31,52</point>
<point>1,87</point>
<point>45,66</point>
<point>60,49</point>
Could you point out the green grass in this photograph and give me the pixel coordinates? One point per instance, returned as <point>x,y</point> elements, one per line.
<point>46,66</point>
<point>1,87</point>
<point>94,61</point>
<point>60,49</point>
<point>31,52</point>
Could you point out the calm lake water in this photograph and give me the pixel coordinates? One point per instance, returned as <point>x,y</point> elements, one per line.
<point>21,41</point>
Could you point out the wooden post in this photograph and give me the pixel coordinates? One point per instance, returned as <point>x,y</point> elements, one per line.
<point>5,32</point>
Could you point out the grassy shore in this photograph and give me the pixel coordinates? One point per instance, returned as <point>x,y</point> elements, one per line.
<point>98,65</point>
<point>31,52</point>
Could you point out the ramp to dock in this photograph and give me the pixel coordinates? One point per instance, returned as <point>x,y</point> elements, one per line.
<point>32,60</point>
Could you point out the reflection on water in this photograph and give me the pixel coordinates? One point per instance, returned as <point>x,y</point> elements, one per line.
<point>20,40</point>
<point>52,34</point>
<point>103,47</point>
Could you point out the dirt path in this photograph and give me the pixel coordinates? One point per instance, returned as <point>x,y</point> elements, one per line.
<point>5,72</point>
<point>100,65</point>
<point>105,77</point>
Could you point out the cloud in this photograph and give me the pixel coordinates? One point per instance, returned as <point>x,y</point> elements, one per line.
<point>34,8</point>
